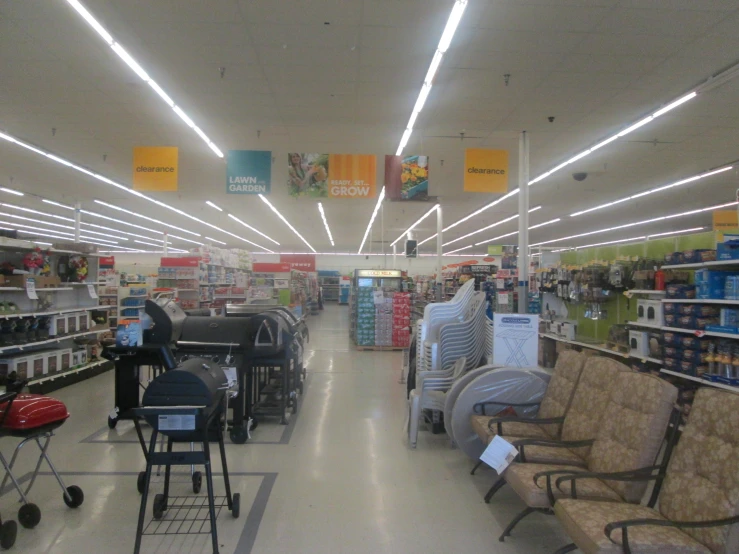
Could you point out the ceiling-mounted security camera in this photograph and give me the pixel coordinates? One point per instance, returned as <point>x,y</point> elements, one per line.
<point>580,176</point>
<point>551,119</point>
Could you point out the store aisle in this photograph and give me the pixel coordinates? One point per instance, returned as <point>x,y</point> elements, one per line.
<point>339,478</point>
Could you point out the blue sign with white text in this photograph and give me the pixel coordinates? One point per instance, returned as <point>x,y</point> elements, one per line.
<point>248,172</point>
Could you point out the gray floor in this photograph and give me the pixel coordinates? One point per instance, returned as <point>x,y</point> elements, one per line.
<point>339,479</point>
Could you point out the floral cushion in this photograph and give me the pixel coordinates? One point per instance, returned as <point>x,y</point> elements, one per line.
<point>632,429</point>
<point>521,478</point>
<point>703,476</point>
<point>585,520</point>
<point>513,428</point>
<point>590,400</point>
<point>561,388</point>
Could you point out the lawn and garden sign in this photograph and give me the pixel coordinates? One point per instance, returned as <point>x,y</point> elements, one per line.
<point>248,172</point>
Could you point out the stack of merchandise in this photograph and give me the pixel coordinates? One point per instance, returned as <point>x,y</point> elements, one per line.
<point>365,316</point>
<point>383,319</point>
<point>401,319</point>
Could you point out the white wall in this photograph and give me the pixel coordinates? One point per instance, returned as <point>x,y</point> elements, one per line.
<point>425,265</point>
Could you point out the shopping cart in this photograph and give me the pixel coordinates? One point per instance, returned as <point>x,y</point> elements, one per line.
<point>33,418</point>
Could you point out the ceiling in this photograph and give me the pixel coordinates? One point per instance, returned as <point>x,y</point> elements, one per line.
<point>294,83</point>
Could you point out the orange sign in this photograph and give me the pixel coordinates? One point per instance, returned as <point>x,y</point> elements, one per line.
<point>725,219</point>
<point>155,168</point>
<point>485,170</point>
<point>352,175</point>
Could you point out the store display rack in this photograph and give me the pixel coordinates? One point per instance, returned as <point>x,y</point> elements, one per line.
<point>55,312</point>
<point>707,265</point>
<point>23,347</point>
<point>699,380</point>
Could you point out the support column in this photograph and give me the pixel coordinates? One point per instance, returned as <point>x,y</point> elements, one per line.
<point>166,244</point>
<point>523,222</point>
<point>395,256</point>
<point>77,220</point>
<point>382,235</point>
<point>439,265</point>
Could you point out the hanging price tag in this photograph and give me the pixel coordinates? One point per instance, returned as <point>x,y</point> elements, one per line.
<point>31,289</point>
<point>92,291</point>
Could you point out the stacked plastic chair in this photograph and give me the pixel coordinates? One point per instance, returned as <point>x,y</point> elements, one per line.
<point>489,340</point>
<point>430,394</point>
<point>462,339</point>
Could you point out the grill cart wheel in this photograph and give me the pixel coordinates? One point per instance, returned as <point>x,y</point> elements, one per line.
<point>160,504</point>
<point>8,532</point>
<point>76,495</point>
<point>197,482</point>
<point>236,505</point>
<point>141,482</point>
<point>29,515</point>
<point>112,422</point>
<point>238,435</point>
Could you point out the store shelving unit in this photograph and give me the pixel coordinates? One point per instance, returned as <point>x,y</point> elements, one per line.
<point>597,347</point>
<point>721,264</point>
<point>65,299</point>
<point>699,380</point>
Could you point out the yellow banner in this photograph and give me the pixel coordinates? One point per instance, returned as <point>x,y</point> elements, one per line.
<point>485,170</point>
<point>155,168</point>
<point>724,220</point>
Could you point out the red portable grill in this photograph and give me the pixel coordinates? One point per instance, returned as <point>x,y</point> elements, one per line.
<point>33,418</point>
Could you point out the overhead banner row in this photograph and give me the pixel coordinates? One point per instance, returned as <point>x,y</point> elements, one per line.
<point>155,168</point>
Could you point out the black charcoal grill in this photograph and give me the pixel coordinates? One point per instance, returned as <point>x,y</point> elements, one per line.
<point>185,404</point>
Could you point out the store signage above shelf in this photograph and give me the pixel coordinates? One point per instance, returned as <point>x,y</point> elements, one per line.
<point>155,168</point>
<point>378,273</point>
<point>249,172</point>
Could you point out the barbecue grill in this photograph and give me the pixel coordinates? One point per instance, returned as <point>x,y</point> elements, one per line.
<point>185,404</point>
<point>33,418</point>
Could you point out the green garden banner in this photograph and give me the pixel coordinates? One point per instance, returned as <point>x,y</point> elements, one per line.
<point>248,172</point>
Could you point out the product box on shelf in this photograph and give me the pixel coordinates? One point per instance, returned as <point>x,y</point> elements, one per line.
<point>680,291</point>
<point>730,329</point>
<point>19,364</point>
<point>729,248</point>
<point>699,310</point>
<point>42,281</point>
<point>72,322</point>
<point>58,325</point>
<point>52,361</point>
<point>711,284</point>
<point>83,321</point>
<point>79,357</point>
<point>639,343</point>
<point>65,359</point>
<point>729,317</point>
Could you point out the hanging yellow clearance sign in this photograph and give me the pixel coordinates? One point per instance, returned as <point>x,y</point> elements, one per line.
<point>485,170</point>
<point>724,220</point>
<point>155,168</point>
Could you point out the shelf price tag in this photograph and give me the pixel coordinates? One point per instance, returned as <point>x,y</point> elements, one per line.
<point>700,334</point>
<point>92,291</point>
<point>31,289</point>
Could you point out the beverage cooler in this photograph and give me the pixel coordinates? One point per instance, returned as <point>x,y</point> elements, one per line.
<point>380,310</point>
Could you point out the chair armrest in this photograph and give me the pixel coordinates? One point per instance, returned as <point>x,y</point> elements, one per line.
<point>639,474</point>
<point>520,444</point>
<point>510,419</point>
<point>479,408</point>
<point>624,526</point>
<point>549,474</point>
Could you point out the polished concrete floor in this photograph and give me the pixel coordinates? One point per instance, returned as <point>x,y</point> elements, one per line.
<point>339,478</point>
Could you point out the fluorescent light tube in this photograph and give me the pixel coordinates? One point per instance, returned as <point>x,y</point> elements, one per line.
<point>451,25</point>
<point>411,123</point>
<point>253,229</point>
<point>694,229</point>
<point>372,219</point>
<point>91,20</point>
<point>419,220</point>
<point>636,223</point>
<point>148,243</point>
<point>214,240</point>
<point>201,134</point>
<point>133,64</point>
<point>652,191</point>
<point>183,116</point>
<point>636,125</point>
<point>325,223</point>
<point>435,61</point>
<point>57,204</point>
<point>212,205</point>
<point>422,96</point>
<point>160,91</point>
<point>276,211</point>
<point>675,104</point>
<point>215,149</point>
<point>186,240</point>
<point>609,140</point>
<point>11,191</point>
<point>113,207</point>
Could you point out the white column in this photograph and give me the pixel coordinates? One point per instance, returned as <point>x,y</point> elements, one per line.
<point>395,256</point>
<point>77,220</point>
<point>166,243</point>
<point>382,235</point>
<point>439,241</point>
<point>523,222</point>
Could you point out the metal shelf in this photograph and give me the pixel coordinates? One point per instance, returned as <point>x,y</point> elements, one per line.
<point>704,333</point>
<point>719,264</point>
<point>648,325</point>
<point>53,376</point>
<point>56,312</point>
<point>700,301</point>
<point>584,345</point>
<point>22,347</point>
<point>645,291</point>
<point>645,358</point>
<point>699,380</point>
<point>50,289</point>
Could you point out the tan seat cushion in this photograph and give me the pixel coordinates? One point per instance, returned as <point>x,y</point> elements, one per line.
<point>561,388</point>
<point>549,454</point>
<point>521,478</point>
<point>513,428</point>
<point>585,520</point>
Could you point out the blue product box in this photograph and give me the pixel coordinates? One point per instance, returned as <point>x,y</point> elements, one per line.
<point>129,334</point>
<point>729,249</point>
<point>729,317</point>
